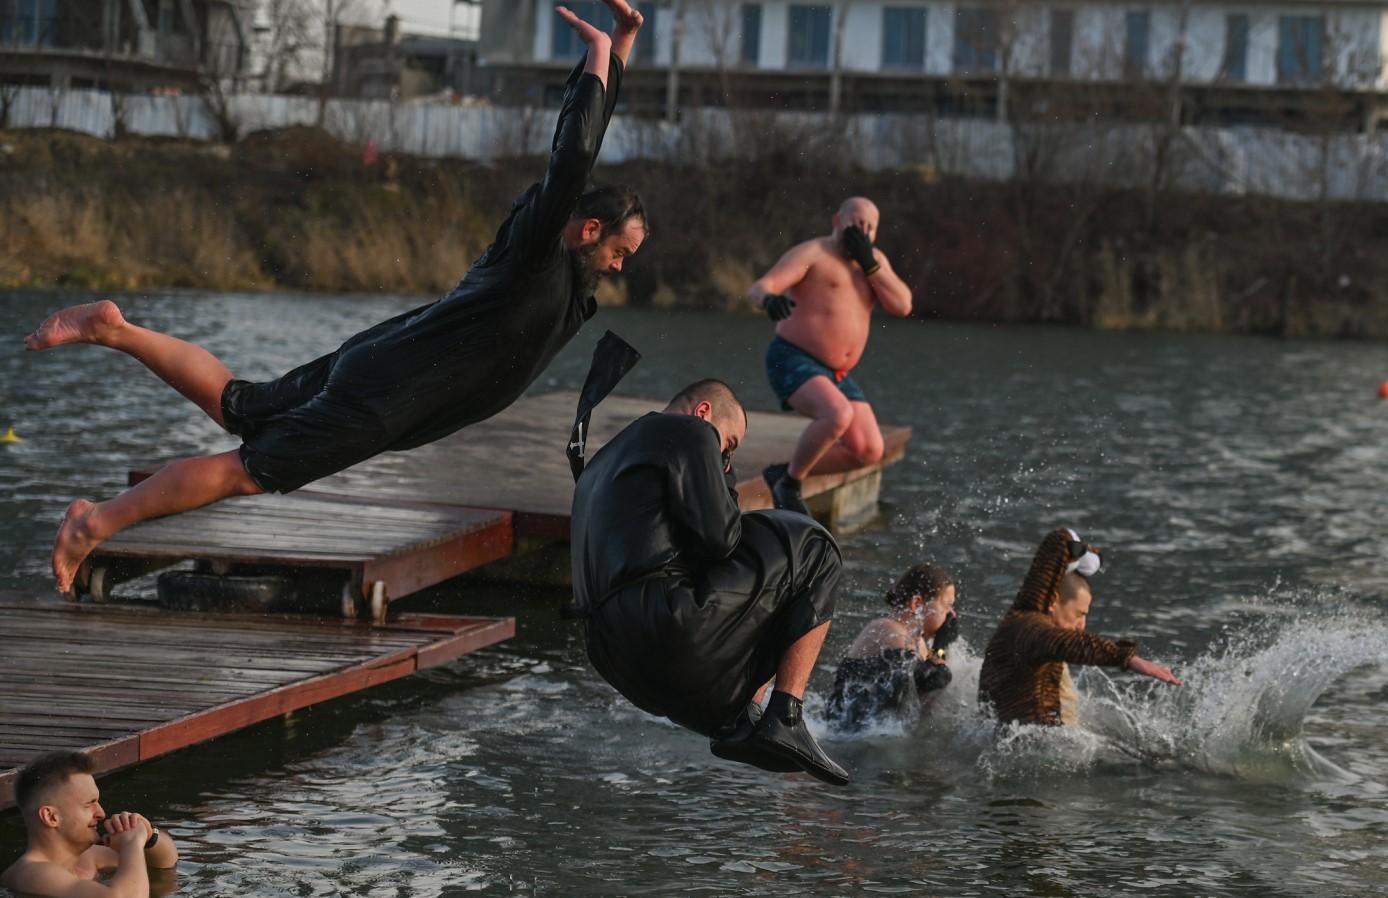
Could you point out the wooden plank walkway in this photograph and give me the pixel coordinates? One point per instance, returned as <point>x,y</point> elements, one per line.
<point>127,684</point>
<point>403,519</point>
<point>516,461</point>
<point>402,546</point>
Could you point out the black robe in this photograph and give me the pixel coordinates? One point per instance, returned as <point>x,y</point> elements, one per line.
<point>426,373</point>
<point>688,603</point>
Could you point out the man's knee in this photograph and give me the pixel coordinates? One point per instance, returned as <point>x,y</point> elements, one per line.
<point>839,416</point>
<point>867,448</point>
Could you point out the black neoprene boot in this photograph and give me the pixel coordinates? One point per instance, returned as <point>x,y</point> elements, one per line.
<point>785,489</point>
<point>782,731</point>
<point>733,742</point>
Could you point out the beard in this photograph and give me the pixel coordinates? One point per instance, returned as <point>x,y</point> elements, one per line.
<point>585,267</point>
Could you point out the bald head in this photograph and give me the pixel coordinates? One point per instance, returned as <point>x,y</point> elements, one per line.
<point>860,211</point>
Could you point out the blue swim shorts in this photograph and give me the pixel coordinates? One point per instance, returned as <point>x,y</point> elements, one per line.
<point>788,367</point>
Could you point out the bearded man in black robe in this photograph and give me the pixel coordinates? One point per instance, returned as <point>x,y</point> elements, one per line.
<point>407,381</point>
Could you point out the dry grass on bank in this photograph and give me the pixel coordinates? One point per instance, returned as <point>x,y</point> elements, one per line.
<point>299,209</point>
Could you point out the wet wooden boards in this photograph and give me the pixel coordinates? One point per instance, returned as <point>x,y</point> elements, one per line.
<point>125,685</point>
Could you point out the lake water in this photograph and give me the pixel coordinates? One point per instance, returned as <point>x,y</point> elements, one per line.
<point>1239,487</point>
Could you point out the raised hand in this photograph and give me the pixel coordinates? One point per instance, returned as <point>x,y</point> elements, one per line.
<point>948,632</point>
<point>126,828</point>
<point>590,34</point>
<point>858,246</point>
<point>625,23</point>
<point>624,18</point>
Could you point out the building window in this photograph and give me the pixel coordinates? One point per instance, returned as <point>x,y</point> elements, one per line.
<point>976,40</point>
<point>1062,40</point>
<point>564,43</point>
<point>903,38</point>
<point>751,33</point>
<point>1299,41</point>
<point>29,23</point>
<point>1136,27</point>
<point>644,50</point>
<point>1235,65</point>
<point>809,37</point>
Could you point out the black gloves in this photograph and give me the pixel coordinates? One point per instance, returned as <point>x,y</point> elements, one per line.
<point>859,249</point>
<point>730,478</point>
<point>930,677</point>
<point>948,632</point>
<point>777,305</point>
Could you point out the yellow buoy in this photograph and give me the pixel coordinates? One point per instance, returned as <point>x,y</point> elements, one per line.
<point>10,436</point>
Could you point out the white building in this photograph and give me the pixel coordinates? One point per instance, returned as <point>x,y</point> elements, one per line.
<point>293,40</point>
<point>1224,60</point>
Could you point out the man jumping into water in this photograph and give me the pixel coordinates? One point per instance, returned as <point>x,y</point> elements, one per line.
<point>409,380</point>
<point>691,607</point>
<point>820,294</point>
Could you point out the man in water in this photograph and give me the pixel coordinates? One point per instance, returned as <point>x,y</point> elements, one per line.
<point>67,847</point>
<point>409,380</point>
<point>692,607</point>
<point>821,294</point>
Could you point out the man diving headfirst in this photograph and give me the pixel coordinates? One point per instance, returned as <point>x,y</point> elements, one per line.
<point>409,380</point>
<point>820,294</point>
<point>691,607</point>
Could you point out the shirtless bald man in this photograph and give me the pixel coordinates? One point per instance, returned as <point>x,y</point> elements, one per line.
<point>820,294</point>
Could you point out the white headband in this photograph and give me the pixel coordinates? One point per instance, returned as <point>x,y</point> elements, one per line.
<point>1088,564</point>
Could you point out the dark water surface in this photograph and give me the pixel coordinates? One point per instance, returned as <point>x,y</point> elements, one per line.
<point>1239,485</point>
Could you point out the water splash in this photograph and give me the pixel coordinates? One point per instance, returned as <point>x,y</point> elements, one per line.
<point>1244,707</point>
<point>1241,713</point>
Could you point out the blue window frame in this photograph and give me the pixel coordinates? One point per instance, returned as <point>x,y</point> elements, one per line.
<point>1136,26</point>
<point>644,51</point>
<point>1062,38</point>
<point>809,37</point>
<point>976,40</point>
<point>1235,65</point>
<point>751,33</point>
<point>1299,43</point>
<point>903,38</point>
<point>564,44</point>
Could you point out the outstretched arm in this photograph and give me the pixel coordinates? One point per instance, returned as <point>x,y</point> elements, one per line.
<point>769,291</point>
<point>1039,641</point>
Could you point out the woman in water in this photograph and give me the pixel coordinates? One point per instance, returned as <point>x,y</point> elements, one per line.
<point>898,659</point>
<point>1025,677</point>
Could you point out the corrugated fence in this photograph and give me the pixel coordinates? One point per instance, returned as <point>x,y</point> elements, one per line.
<point>1263,161</point>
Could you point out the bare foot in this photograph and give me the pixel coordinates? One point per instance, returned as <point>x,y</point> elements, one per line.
<point>75,540</point>
<point>88,323</point>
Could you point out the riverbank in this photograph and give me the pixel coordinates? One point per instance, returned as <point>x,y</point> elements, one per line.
<point>300,210</point>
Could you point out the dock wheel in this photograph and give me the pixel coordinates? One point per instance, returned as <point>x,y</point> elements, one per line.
<point>349,600</point>
<point>99,586</point>
<point>379,601</point>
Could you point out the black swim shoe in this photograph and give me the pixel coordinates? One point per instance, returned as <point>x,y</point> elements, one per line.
<point>783,732</point>
<point>733,742</point>
<point>785,489</point>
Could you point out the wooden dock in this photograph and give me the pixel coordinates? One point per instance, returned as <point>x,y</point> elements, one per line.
<point>401,522</point>
<point>128,684</point>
